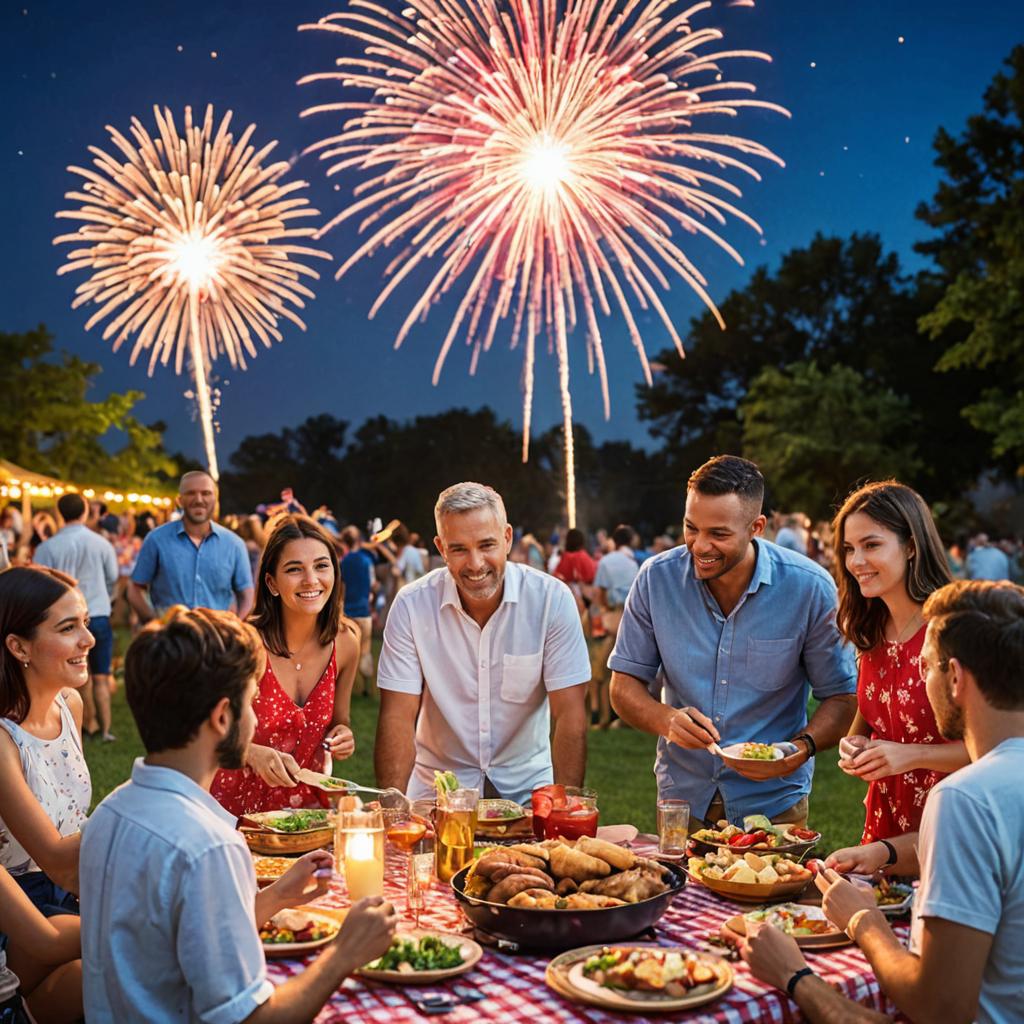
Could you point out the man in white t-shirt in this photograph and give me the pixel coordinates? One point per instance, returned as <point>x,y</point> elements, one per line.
<point>170,908</point>
<point>966,956</point>
<point>480,658</point>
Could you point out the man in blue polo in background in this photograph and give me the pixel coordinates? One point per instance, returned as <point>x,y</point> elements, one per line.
<point>722,641</point>
<point>192,561</point>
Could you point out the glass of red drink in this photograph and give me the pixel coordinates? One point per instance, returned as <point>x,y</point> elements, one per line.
<point>564,811</point>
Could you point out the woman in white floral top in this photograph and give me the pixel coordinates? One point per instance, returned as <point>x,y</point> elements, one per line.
<point>44,643</point>
<point>891,560</point>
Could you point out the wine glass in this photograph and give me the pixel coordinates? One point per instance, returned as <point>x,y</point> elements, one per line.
<point>404,831</point>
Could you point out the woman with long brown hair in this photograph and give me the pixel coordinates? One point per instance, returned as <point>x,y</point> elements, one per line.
<point>46,790</point>
<point>890,559</point>
<point>302,704</point>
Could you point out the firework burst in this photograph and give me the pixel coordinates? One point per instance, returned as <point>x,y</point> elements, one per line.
<point>542,152</point>
<point>187,240</point>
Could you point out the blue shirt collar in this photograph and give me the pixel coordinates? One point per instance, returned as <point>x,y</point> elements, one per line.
<point>215,529</point>
<point>151,776</point>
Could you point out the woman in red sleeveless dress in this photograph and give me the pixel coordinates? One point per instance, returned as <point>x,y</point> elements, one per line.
<point>302,703</point>
<point>892,559</point>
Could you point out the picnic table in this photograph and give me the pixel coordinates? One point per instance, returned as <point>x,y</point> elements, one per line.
<point>514,985</point>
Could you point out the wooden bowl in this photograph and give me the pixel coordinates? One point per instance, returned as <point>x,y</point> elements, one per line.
<point>277,844</point>
<point>749,892</point>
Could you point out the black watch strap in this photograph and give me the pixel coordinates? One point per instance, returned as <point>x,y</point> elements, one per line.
<point>795,980</point>
<point>893,855</point>
<point>810,742</point>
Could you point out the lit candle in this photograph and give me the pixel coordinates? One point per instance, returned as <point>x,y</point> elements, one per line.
<point>364,870</point>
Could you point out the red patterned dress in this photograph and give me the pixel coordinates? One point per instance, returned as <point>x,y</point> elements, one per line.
<point>283,725</point>
<point>892,699</point>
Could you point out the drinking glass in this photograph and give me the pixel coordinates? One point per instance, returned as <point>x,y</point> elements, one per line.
<point>673,827</point>
<point>359,852</point>
<point>578,817</point>
<point>405,829</point>
<point>455,828</point>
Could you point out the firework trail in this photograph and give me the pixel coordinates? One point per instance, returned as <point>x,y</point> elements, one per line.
<point>187,240</point>
<point>538,154</point>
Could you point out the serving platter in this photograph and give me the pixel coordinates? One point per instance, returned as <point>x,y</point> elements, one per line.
<point>564,975</point>
<point>270,869</point>
<point>263,838</point>
<point>471,954</point>
<point>747,892</point>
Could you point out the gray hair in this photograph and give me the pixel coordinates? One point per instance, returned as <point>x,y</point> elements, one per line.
<point>191,473</point>
<point>467,497</point>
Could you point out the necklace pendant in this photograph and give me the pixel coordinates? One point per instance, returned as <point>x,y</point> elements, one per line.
<point>298,667</point>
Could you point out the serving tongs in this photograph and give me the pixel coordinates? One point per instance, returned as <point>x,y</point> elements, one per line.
<point>388,798</point>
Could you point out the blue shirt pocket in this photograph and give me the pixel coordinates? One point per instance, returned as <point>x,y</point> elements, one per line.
<point>771,664</point>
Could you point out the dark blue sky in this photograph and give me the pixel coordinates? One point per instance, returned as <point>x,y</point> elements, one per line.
<point>858,153</point>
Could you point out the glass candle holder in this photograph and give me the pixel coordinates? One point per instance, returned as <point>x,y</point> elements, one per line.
<point>359,852</point>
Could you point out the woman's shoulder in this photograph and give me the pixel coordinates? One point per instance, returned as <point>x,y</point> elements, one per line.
<point>348,636</point>
<point>73,700</point>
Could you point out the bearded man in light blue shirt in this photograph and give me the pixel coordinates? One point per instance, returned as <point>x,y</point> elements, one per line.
<point>721,642</point>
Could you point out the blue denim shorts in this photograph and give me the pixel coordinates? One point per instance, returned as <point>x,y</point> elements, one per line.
<point>102,654</point>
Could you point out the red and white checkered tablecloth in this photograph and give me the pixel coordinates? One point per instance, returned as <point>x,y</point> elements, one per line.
<point>515,987</point>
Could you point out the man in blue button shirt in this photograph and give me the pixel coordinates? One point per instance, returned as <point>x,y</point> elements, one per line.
<point>735,631</point>
<point>192,561</point>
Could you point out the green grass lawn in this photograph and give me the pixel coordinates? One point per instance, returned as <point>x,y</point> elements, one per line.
<point>619,766</point>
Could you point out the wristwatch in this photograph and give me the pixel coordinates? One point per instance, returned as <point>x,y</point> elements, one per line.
<point>812,747</point>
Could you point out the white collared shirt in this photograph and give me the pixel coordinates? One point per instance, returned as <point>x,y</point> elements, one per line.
<point>485,707</point>
<point>168,893</point>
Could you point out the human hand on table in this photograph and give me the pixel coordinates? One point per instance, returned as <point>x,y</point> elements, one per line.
<point>307,879</point>
<point>368,929</point>
<point>841,899</point>
<point>772,956</point>
<point>340,742</point>
<point>878,759</point>
<point>691,729</point>
<point>274,767</point>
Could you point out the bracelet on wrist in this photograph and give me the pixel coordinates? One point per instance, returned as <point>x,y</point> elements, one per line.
<point>855,920</point>
<point>795,980</point>
<point>893,855</point>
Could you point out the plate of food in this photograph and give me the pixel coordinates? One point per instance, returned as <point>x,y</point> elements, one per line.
<point>556,894</point>
<point>288,831</point>
<point>758,760</point>
<point>893,898</point>
<point>750,877</point>
<point>757,834</point>
<point>297,931</point>
<point>502,819</point>
<point>808,925</point>
<point>639,979</point>
<point>421,957</point>
<point>270,869</point>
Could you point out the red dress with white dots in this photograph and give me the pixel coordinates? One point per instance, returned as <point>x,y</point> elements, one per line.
<point>283,725</point>
<point>892,698</point>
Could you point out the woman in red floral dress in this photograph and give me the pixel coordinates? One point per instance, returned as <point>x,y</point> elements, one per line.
<point>892,560</point>
<point>302,704</point>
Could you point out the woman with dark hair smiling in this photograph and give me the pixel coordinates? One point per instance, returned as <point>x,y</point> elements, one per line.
<point>44,630</point>
<point>302,704</point>
<point>892,560</point>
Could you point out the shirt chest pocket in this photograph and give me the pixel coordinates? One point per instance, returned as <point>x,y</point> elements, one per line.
<point>772,663</point>
<point>520,676</point>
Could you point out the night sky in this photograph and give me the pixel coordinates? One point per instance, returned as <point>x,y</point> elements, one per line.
<point>858,153</point>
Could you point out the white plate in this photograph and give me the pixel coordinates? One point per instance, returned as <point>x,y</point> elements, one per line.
<point>617,833</point>
<point>471,954</point>
<point>279,949</point>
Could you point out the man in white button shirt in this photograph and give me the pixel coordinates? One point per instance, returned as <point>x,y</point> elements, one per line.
<point>476,655</point>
